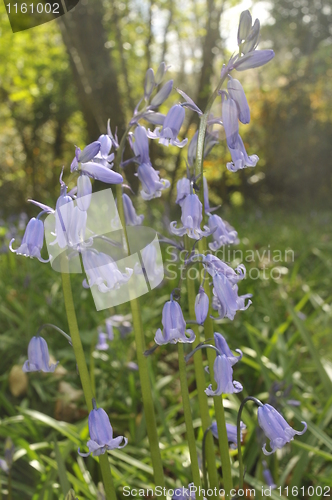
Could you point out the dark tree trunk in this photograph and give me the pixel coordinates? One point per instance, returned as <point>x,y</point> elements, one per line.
<point>93,68</point>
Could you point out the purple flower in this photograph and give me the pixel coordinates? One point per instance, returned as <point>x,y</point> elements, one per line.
<point>206,196</point>
<point>171,128</point>
<point>131,218</point>
<point>191,219</point>
<point>182,189</point>
<point>214,265</point>
<point>88,153</point>
<point>38,357</point>
<point>223,375</point>
<point>227,301</point>
<point>103,272</point>
<point>101,434</point>
<point>222,233</point>
<point>32,241</point>
<point>253,59</point>
<point>102,344</point>
<point>109,329</point>
<point>201,306</point>
<point>244,26</point>
<point>252,39</point>
<point>236,92</point>
<point>268,476</point>
<point>152,184</point>
<point>162,94</point>
<point>276,428</point>
<point>240,158</point>
<point>230,120</point>
<point>231,433</point>
<point>84,190</point>
<point>101,173</point>
<point>223,348</point>
<point>141,145</point>
<point>174,326</point>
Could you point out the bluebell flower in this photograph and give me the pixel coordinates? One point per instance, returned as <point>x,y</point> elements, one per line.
<point>230,120</point>
<point>231,433</point>
<point>141,145</point>
<point>152,184</point>
<point>191,219</point>
<point>101,173</point>
<point>162,94</point>
<point>4,466</point>
<point>174,326</point>
<point>240,158</point>
<point>253,59</point>
<point>214,265</point>
<point>88,153</point>
<point>201,306</point>
<point>171,128</point>
<point>103,272</point>
<point>244,28</point>
<point>276,428</point>
<point>84,190</point>
<point>268,476</point>
<point>38,357</point>
<point>223,376</point>
<point>252,39</point>
<point>206,196</point>
<point>237,93</point>
<point>32,241</point>
<point>223,348</point>
<point>182,190</point>
<point>226,299</point>
<point>101,434</point>
<point>222,233</point>
<point>64,209</point>
<point>102,344</point>
<point>104,156</point>
<point>131,218</point>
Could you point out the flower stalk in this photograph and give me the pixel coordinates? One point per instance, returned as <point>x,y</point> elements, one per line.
<point>83,371</point>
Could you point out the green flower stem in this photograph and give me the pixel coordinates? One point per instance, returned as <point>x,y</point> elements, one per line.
<point>188,420</point>
<point>201,386</point>
<point>83,371</point>
<point>140,348</point>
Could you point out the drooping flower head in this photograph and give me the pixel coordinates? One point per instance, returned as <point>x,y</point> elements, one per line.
<point>103,271</point>
<point>223,376</point>
<point>231,433</point>
<point>240,158</point>
<point>174,326</point>
<point>268,476</point>
<point>171,128</point>
<point>101,434</point>
<point>276,428</point>
<point>191,219</point>
<point>182,190</point>
<point>223,233</point>
<point>93,161</point>
<point>223,348</point>
<point>32,241</point>
<point>131,217</point>
<point>201,306</point>
<point>38,357</point>
<point>102,344</point>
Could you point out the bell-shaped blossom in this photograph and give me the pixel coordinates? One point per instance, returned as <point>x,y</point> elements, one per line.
<point>231,433</point>
<point>84,190</point>
<point>102,344</point>
<point>240,158</point>
<point>244,26</point>
<point>103,272</point>
<point>63,213</point>
<point>162,94</point>
<point>237,93</point>
<point>223,376</point>
<point>206,196</point>
<point>268,476</point>
<point>104,156</point>
<point>222,233</point>
<point>131,218</point>
<point>109,328</point>
<point>191,219</point>
<point>171,128</point>
<point>101,434</point>
<point>182,190</point>
<point>141,145</point>
<point>252,39</point>
<point>101,173</point>
<point>38,357</point>
<point>228,301</point>
<point>253,59</point>
<point>230,120</point>
<point>32,241</point>
<point>214,265</point>
<point>152,184</point>
<point>201,306</point>
<point>223,348</point>
<point>88,153</point>
<point>276,428</point>
<point>174,326</point>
